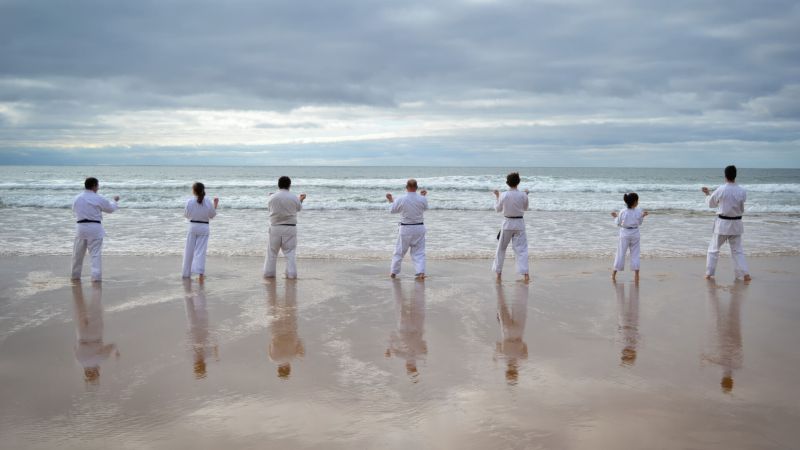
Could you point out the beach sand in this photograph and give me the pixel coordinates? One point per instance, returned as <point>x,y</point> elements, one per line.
<point>345,358</point>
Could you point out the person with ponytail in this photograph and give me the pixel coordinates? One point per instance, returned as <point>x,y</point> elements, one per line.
<point>199,210</point>
<point>629,219</point>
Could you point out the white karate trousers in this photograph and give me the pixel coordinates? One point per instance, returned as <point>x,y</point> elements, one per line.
<point>95,247</point>
<point>281,238</point>
<point>410,237</point>
<point>194,255</point>
<point>627,242</point>
<point>519,242</point>
<point>740,268</point>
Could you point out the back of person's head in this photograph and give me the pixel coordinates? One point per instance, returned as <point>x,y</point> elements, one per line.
<point>199,190</point>
<point>284,182</point>
<point>631,199</point>
<point>91,183</point>
<point>512,179</point>
<point>730,173</point>
<point>411,185</point>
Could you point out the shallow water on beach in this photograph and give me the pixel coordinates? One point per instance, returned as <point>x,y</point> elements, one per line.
<point>346,217</point>
<point>345,358</point>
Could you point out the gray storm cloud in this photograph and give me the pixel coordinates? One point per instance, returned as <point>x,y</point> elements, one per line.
<point>256,78</point>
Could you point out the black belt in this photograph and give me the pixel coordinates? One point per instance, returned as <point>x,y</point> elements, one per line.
<point>404,224</point>
<point>630,228</point>
<point>88,221</point>
<point>198,221</point>
<point>520,217</point>
<point>285,225</point>
<point>729,218</point>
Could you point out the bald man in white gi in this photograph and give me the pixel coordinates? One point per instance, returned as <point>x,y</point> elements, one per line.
<point>283,208</point>
<point>513,203</point>
<point>88,208</point>
<point>411,235</point>
<point>729,200</point>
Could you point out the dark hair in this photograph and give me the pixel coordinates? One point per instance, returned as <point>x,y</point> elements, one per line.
<point>630,199</point>
<point>411,183</point>
<point>730,173</point>
<point>284,182</point>
<point>199,190</point>
<point>91,183</point>
<point>513,179</point>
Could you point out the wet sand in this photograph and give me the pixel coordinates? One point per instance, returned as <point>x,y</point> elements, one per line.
<point>346,358</point>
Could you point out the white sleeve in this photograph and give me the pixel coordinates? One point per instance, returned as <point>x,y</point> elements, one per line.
<point>713,199</point>
<point>526,203</point>
<point>299,203</point>
<point>107,206</point>
<point>186,209</point>
<point>498,205</point>
<point>395,206</point>
<point>425,203</point>
<point>618,219</point>
<point>212,212</point>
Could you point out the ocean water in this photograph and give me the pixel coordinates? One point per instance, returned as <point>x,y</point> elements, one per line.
<point>345,215</point>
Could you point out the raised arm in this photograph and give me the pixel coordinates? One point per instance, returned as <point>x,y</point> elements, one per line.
<point>499,199</point>
<point>396,203</point>
<point>109,206</point>
<point>526,199</point>
<point>213,211</point>
<point>713,198</point>
<point>300,200</point>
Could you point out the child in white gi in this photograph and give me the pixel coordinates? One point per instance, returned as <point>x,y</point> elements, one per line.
<point>513,203</point>
<point>628,220</point>
<point>199,211</point>
<point>412,229</point>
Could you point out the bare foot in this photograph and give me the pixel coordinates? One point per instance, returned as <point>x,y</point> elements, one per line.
<point>393,275</point>
<point>269,276</point>
<point>420,276</point>
<point>201,278</point>
<point>636,277</point>
<point>499,276</point>
<point>748,278</point>
<point>709,277</point>
<point>526,278</point>
<point>614,276</point>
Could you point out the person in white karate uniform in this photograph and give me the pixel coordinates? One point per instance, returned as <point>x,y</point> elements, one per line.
<point>88,208</point>
<point>628,220</point>
<point>729,200</point>
<point>411,235</point>
<point>283,208</point>
<point>513,203</point>
<point>199,210</point>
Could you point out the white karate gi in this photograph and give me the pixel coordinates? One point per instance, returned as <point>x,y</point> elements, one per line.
<point>512,203</point>
<point>194,255</point>
<point>90,350</point>
<point>411,235</point>
<point>628,220</point>
<point>283,207</point>
<point>729,199</point>
<point>89,206</point>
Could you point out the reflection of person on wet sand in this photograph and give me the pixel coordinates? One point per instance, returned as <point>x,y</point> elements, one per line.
<point>90,351</point>
<point>628,321</point>
<point>512,319</point>
<point>407,341</point>
<point>197,316</point>
<point>726,331</point>
<point>285,345</point>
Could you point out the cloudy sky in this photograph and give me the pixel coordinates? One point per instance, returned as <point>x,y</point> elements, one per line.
<point>457,82</point>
